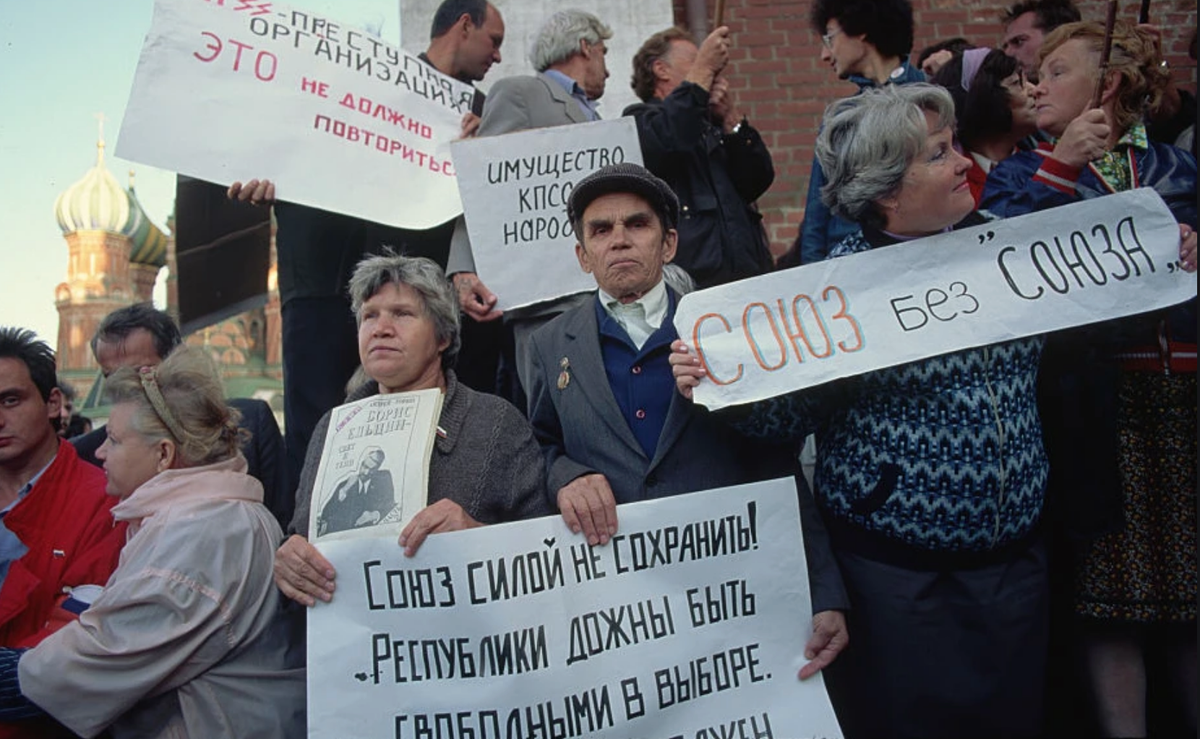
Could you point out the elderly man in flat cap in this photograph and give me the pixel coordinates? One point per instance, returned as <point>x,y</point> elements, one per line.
<point>602,399</point>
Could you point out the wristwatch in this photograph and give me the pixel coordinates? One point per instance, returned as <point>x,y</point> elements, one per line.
<point>737,128</point>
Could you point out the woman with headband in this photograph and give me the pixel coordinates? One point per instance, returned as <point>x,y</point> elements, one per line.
<point>994,106</point>
<point>184,640</point>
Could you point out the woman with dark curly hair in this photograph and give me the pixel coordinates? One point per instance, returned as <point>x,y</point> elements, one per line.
<point>993,103</point>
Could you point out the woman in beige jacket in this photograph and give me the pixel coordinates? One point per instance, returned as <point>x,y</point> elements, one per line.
<point>186,638</point>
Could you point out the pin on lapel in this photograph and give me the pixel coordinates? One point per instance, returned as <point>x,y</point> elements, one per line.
<point>564,377</point>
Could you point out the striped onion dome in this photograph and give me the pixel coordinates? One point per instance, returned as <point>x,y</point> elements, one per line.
<point>97,202</point>
<point>149,242</point>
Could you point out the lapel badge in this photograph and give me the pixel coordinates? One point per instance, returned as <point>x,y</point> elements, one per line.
<point>564,377</point>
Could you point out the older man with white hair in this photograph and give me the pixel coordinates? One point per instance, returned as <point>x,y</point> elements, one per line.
<point>568,53</point>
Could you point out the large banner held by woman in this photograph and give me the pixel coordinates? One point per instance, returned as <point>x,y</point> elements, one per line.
<point>1091,261</point>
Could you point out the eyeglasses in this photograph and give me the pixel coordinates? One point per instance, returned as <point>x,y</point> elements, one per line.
<point>827,38</point>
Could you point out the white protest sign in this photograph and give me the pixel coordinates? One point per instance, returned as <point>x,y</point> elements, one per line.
<point>1076,264</point>
<point>514,191</point>
<point>691,622</point>
<point>238,89</point>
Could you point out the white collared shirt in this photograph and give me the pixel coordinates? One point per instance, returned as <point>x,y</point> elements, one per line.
<point>642,317</point>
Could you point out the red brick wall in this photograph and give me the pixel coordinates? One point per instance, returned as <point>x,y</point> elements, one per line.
<point>781,84</point>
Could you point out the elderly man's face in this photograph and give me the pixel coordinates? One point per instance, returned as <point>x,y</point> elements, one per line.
<point>624,245</point>
<point>397,341</point>
<point>675,65</point>
<point>596,75</point>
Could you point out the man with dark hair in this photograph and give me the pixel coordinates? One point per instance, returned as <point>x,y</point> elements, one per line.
<point>140,335</point>
<point>139,330</point>
<point>464,43</point>
<point>56,531</point>
<point>866,42</point>
<point>602,398</point>
<point>63,423</point>
<point>694,137</point>
<point>1027,22</point>
<point>317,250</point>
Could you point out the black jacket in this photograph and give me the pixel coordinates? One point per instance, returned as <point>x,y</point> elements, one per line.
<point>716,176</point>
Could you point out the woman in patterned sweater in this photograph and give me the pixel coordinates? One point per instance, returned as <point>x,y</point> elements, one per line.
<point>931,474</point>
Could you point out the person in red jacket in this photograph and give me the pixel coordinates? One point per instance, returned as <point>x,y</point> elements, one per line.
<point>56,532</point>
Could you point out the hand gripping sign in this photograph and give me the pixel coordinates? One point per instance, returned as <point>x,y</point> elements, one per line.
<point>691,622</point>
<point>1082,263</point>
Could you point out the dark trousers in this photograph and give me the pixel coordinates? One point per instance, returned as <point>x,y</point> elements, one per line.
<point>320,353</point>
<point>952,653</point>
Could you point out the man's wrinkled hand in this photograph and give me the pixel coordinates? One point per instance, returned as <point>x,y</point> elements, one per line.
<point>587,504</point>
<point>686,367</point>
<point>475,299</point>
<point>829,638</point>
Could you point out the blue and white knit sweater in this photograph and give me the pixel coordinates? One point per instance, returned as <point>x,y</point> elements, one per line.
<point>936,463</point>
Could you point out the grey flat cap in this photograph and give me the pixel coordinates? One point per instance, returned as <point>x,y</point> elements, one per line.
<point>625,177</point>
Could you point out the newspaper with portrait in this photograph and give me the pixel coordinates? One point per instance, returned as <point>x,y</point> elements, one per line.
<point>374,471</point>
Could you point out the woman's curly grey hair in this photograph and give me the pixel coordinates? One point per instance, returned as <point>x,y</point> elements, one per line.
<point>867,143</point>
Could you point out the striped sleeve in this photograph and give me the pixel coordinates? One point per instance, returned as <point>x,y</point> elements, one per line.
<point>1061,177</point>
<point>14,706</point>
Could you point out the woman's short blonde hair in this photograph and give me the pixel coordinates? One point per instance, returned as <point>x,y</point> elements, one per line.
<point>1135,58</point>
<point>192,411</point>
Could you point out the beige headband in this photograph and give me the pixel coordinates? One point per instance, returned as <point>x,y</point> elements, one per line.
<point>158,403</point>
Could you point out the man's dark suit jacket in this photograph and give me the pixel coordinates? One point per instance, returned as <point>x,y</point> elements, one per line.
<point>581,430</point>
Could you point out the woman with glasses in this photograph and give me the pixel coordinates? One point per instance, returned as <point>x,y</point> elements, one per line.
<point>994,106</point>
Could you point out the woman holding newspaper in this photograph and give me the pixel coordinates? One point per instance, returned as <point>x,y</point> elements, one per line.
<point>185,639</point>
<point>1120,397</point>
<point>485,467</point>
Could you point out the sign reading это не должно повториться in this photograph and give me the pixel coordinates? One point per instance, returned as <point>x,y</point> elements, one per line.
<point>338,118</point>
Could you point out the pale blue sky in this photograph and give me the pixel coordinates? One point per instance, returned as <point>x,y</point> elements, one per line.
<point>60,64</point>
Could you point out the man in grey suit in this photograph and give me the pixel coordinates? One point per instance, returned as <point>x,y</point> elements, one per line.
<point>602,398</point>
<point>568,52</point>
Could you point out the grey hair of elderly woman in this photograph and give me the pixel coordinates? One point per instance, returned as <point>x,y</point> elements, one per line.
<point>868,142</point>
<point>558,38</point>
<point>422,275</point>
<point>193,412</point>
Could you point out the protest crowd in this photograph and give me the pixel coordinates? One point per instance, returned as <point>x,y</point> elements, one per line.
<point>1000,541</point>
